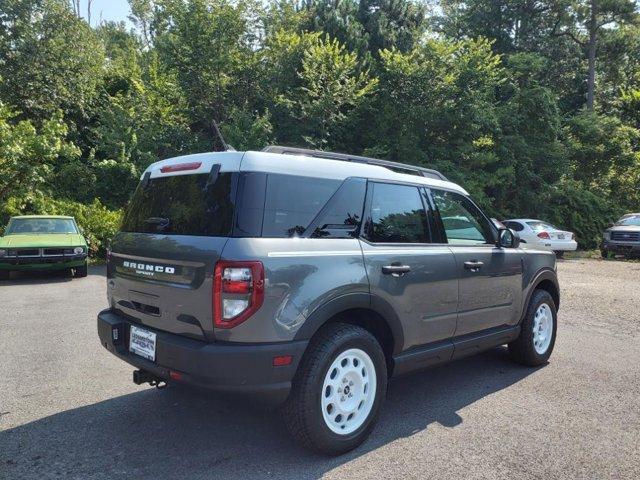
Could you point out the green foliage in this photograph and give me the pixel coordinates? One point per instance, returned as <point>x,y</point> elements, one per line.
<point>98,223</point>
<point>492,93</point>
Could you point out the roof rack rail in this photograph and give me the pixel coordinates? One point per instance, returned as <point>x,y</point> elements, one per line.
<point>401,167</point>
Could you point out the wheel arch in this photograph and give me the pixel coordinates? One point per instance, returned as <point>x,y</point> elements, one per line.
<point>545,280</point>
<point>370,312</point>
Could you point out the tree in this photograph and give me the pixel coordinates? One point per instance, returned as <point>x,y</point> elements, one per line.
<point>27,153</point>
<point>50,59</point>
<point>583,20</point>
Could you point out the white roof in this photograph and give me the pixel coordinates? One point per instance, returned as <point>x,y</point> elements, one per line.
<point>300,165</point>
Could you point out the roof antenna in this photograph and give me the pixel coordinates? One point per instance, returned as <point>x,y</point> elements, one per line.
<point>218,134</point>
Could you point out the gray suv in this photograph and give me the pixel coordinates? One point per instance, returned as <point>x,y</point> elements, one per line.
<point>308,279</point>
<point>623,237</point>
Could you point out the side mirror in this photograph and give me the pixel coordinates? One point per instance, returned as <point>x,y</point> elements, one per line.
<point>508,238</point>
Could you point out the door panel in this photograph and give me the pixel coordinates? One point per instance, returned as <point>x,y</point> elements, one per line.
<point>490,295</point>
<point>418,279</point>
<point>490,278</point>
<point>425,298</point>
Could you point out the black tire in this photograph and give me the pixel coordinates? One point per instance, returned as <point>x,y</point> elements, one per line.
<point>302,412</point>
<point>559,254</point>
<point>81,271</point>
<point>522,349</point>
<point>5,274</point>
<point>604,253</point>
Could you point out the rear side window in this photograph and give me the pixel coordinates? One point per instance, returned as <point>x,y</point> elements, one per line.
<point>183,205</point>
<point>341,217</point>
<point>515,226</point>
<point>397,215</point>
<point>292,202</point>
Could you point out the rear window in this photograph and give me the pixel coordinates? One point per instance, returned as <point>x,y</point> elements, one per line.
<point>538,226</point>
<point>183,205</point>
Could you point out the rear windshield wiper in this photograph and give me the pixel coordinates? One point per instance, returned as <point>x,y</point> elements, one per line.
<point>159,222</point>
<point>213,176</point>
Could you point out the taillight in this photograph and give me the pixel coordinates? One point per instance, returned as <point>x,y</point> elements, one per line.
<point>238,292</point>
<point>544,235</point>
<point>181,167</point>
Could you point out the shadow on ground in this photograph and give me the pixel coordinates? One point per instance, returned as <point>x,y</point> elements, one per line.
<point>180,433</point>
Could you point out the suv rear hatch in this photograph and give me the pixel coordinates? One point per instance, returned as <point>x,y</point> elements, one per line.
<point>161,264</point>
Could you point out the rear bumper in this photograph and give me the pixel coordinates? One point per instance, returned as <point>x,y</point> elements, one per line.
<point>563,246</point>
<point>42,263</point>
<point>235,368</point>
<point>621,247</point>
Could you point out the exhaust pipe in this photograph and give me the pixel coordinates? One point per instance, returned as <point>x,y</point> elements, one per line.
<point>142,376</point>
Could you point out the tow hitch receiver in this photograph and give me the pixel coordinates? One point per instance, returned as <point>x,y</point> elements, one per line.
<point>142,376</point>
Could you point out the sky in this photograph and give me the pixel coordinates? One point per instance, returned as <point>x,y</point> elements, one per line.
<point>110,10</point>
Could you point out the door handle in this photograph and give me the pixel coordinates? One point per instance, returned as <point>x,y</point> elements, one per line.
<point>474,266</point>
<point>396,270</point>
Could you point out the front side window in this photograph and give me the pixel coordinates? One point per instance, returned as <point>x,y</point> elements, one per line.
<point>463,222</point>
<point>397,214</point>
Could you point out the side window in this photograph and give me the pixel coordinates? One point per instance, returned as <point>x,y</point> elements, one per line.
<point>397,214</point>
<point>292,202</point>
<point>341,217</point>
<point>515,226</point>
<point>463,223</point>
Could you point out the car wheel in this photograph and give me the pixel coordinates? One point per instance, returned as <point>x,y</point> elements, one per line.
<point>81,271</point>
<point>538,334</point>
<point>337,391</point>
<point>5,274</point>
<point>559,254</point>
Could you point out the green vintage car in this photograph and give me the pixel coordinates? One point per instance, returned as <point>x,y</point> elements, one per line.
<point>43,242</point>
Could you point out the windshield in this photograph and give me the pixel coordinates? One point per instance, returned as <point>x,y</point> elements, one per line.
<point>31,226</point>
<point>631,220</point>
<point>537,226</point>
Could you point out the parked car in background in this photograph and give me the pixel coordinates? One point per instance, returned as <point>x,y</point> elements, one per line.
<point>43,243</point>
<point>623,237</point>
<point>539,234</point>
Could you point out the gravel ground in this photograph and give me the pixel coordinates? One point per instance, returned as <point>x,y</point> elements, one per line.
<point>68,408</point>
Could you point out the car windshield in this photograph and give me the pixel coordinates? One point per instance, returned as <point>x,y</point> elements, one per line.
<point>31,226</point>
<point>629,221</point>
<point>538,226</point>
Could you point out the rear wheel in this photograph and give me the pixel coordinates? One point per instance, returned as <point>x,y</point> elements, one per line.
<point>338,390</point>
<point>81,271</point>
<point>559,254</point>
<point>5,274</point>
<point>538,335</point>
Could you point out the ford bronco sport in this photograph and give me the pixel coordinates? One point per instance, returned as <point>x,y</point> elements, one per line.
<point>310,278</point>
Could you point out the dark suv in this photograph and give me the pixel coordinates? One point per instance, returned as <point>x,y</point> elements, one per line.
<point>623,237</point>
<point>310,278</point>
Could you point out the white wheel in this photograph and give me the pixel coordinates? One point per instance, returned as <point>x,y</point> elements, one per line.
<point>542,328</point>
<point>348,392</point>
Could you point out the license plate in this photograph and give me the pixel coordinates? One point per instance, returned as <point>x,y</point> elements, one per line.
<point>561,236</point>
<point>142,342</point>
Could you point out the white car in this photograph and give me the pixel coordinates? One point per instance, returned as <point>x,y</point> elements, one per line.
<point>538,234</point>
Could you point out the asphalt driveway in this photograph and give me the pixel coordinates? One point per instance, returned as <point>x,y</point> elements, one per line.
<point>68,409</point>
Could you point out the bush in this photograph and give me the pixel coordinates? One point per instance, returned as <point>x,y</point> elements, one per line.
<point>569,206</point>
<point>98,223</point>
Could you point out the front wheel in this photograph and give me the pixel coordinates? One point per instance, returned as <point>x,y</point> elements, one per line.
<point>338,390</point>
<point>81,271</point>
<point>538,335</point>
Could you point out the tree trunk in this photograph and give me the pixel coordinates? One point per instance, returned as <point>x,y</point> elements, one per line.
<point>591,54</point>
